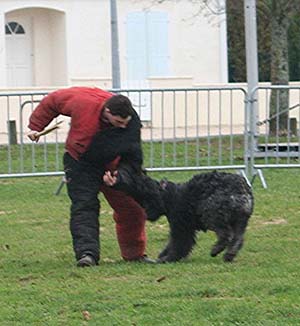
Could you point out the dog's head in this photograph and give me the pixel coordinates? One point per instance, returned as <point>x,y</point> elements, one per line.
<point>153,203</point>
<point>168,194</point>
<point>145,190</point>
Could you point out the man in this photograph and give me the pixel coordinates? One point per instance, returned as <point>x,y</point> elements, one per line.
<point>104,131</point>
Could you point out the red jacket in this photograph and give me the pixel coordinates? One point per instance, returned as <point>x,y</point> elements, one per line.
<point>83,104</point>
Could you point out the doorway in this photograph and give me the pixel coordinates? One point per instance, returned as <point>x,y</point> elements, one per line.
<point>18,53</point>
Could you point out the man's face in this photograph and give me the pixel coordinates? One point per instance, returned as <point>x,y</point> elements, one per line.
<point>116,120</point>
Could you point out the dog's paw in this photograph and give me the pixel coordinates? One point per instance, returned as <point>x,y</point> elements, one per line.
<point>228,258</point>
<point>163,254</point>
<point>167,259</point>
<point>161,260</point>
<point>216,250</point>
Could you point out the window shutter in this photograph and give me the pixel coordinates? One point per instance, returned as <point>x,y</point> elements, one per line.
<point>147,45</point>
<point>136,46</point>
<point>157,32</point>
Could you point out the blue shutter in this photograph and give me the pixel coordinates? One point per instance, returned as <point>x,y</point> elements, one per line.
<point>157,32</point>
<point>136,46</point>
<point>147,45</point>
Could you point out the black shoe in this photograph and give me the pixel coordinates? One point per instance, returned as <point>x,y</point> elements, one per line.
<point>86,261</point>
<point>146,260</point>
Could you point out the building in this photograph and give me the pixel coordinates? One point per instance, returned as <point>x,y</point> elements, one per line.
<point>50,43</point>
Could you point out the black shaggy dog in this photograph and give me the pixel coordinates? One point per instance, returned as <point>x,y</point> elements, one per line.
<point>110,143</point>
<point>216,201</point>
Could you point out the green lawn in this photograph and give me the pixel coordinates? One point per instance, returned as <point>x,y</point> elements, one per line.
<point>42,157</point>
<point>40,285</point>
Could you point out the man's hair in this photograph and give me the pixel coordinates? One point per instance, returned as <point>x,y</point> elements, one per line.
<point>119,105</point>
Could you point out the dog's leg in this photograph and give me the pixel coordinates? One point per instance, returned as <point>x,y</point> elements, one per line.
<point>236,243</point>
<point>180,245</point>
<point>165,252</point>
<point>224,237</point>
<point>234,246</point>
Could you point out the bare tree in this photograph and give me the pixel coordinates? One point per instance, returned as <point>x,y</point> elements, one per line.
<point>207,8</point>
<point>279,14</point>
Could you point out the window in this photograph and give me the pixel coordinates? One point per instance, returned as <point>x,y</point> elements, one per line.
<point>14,28</point>
<point>147,45</point>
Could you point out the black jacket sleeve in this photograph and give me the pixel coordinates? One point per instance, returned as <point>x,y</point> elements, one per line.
<point>143,189</point>
<point>107,144</point>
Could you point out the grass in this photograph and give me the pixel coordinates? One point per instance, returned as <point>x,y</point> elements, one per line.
<point>205,151</point>
<point>41,286</point>
<point>43,157</point>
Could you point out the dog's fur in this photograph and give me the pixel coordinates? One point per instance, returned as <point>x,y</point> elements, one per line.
<point>113,142</point>
<point>217,201</point>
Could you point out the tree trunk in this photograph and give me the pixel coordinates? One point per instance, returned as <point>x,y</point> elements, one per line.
<point>279,70</point>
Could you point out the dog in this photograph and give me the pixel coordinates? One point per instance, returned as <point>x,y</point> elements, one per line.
<point>215,201</point>
<point>112,143</point>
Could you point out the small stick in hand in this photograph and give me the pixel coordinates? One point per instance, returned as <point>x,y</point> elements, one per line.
<point>48,130</point>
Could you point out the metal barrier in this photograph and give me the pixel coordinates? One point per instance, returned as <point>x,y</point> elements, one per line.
<point>24,158</point>
<point>274,129</point>
<point>184,129</point>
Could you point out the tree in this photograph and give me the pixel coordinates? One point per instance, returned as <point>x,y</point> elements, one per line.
<point>274,19</point>
<point>282,12</point>
<point>236,42</point>
<point>294,48</point>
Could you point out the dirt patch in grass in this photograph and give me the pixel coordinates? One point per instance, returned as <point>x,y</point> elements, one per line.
<point>275,221</point>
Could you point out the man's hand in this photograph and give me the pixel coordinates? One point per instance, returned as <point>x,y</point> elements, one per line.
<point>110,179</point>
<point>33,135</point>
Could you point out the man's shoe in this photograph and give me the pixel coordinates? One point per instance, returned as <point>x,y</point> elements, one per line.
<point>146,260</point>
<point>86,261</point>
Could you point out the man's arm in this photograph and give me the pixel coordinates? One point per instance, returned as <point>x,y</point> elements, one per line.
<point>44,113</point>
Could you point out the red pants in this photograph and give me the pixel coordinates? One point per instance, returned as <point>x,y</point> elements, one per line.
<point>83,185</point>
<point>130,221</point>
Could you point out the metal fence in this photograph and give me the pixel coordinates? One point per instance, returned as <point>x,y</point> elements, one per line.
<point>184,129</point>
<point>274,137</point>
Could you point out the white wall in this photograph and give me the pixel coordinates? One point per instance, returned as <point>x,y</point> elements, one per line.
<point>88,32</point>
<point>49,42</point>
<point>49,64</point>
<point>2,52</point>
<point>59,68</point>
<point>194,43</point>
<point>42,43</point>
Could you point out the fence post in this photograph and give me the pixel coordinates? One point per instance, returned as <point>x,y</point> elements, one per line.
<point>251,121</point>
<point>293,126</point>
<point>12,132</point>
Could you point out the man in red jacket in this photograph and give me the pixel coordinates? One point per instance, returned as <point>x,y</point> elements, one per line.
<point>104,131</point>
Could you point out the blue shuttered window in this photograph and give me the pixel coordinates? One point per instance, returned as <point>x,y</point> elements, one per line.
<point>147,45</point>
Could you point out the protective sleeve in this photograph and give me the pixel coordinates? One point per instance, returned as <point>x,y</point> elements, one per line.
<point>111,143</point>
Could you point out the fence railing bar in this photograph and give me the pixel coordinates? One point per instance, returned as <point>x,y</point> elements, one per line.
<point>204,125</point>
